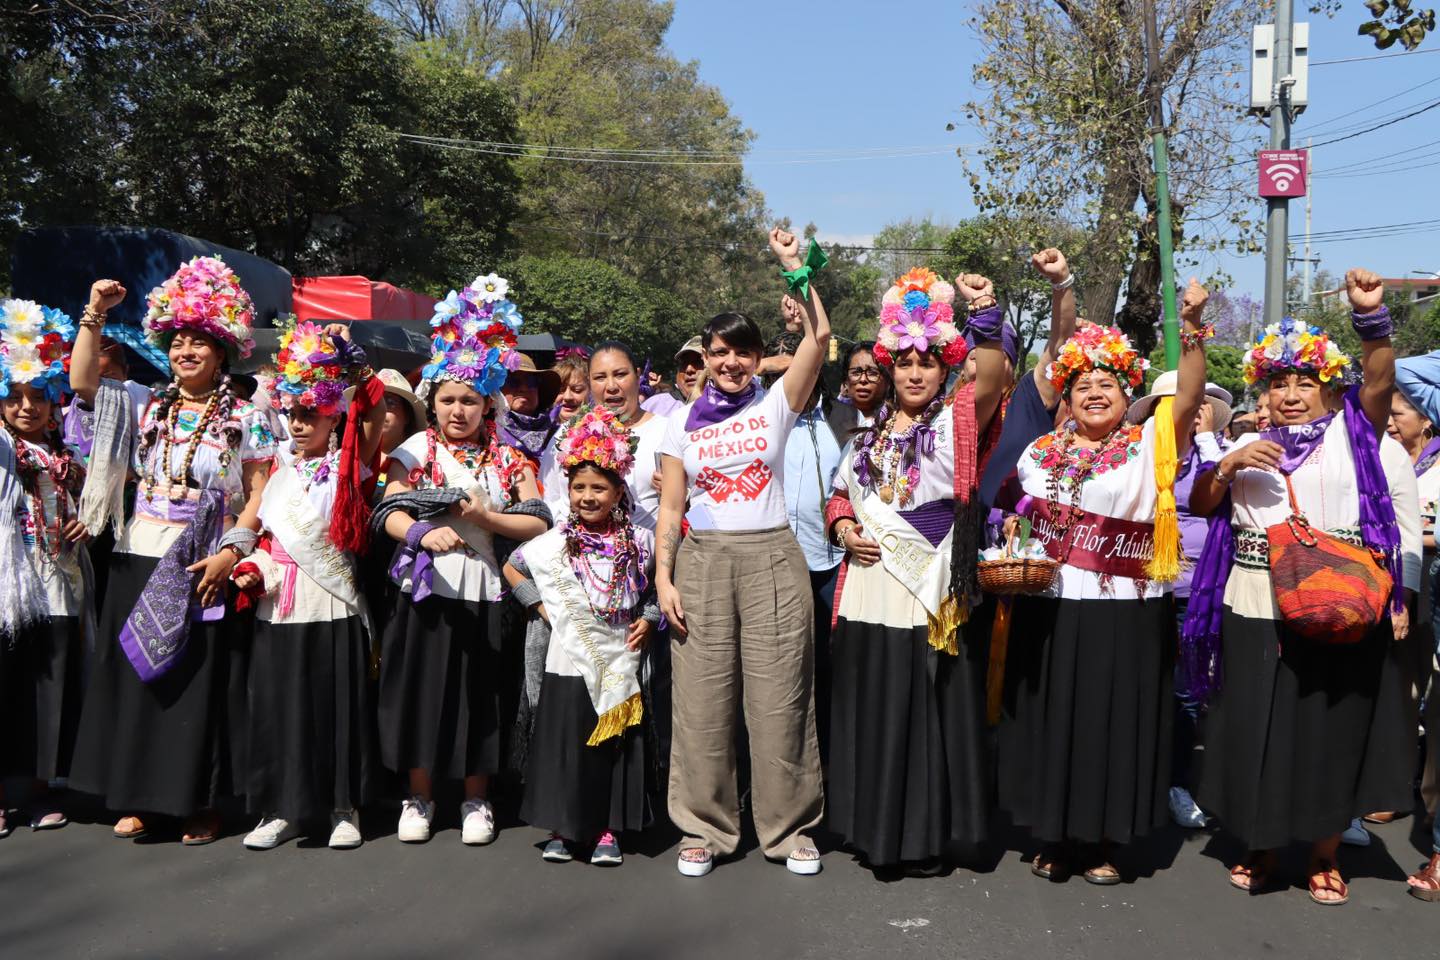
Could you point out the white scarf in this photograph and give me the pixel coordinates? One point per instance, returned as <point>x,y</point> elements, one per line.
<point>924,570</point>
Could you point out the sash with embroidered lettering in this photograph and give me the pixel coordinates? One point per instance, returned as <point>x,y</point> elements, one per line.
<point>291,518</point>
<point>1109,546</point>
<point>910,558</point>
<point>597,649</point>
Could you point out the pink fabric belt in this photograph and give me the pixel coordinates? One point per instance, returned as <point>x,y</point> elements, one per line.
<point>285,604</point>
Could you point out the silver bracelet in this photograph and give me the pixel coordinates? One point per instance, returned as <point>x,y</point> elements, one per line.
<point>1065,284</point>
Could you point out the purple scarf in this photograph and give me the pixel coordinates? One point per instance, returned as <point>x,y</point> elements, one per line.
<point>1200,648</point>
<point>715,405</point>
<point>528,433</point>
<point>155,633</point>
<point>1428,456</point>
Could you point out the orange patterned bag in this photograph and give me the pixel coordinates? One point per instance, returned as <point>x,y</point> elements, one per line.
<point>1327,590</point>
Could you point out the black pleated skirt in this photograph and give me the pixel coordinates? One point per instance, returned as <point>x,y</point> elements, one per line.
<point>1302,737</point>
<point>441,674</point>
<point>1085,728</point>
<point>41,691</point>
<point>173,746</point>
<point>575,790</point>
<point>312,721</point>
<point>908,772</point>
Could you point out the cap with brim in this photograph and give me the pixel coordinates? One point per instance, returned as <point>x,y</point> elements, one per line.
<point>693,345</point>
<point>1217,397</point>
<point>547,381</point>
<point>396,385</point>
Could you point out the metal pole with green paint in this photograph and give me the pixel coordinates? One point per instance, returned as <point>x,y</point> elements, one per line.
<point>1154,90</point>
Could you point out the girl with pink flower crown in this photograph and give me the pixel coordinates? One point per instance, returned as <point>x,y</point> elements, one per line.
<point>587,582</point>
<point>310,717</point>
<point>163,724</point>
<point>908,739</point>
<point>43,589</point>
<point>464,496</point>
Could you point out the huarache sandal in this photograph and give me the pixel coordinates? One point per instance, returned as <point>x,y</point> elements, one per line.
<point>1324,878</point>
<point>1253,874</point>
<point>201,829</point>
<point>1425,882</point>
<point>129,828</point>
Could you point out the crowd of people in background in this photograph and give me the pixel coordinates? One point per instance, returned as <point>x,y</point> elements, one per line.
<point>947,587</point>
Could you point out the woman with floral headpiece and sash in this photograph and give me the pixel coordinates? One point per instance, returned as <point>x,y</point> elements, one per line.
<point>310,718</point>
<point>588,582</point>
<point>1084,737</point>
<point>909,781</point>
<point>163,724</point>
<point>1304,735</point>
<point>44,591</point>
<point>440,675</point>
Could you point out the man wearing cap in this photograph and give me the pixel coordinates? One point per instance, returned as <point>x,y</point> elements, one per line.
<point>689,361</point>
<point>1208,446</point>
<point>529,394</point>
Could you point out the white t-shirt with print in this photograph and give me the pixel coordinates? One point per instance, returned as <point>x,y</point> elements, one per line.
<point>735,469</point>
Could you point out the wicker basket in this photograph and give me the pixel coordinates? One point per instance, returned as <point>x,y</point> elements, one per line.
<point>1013,575</point>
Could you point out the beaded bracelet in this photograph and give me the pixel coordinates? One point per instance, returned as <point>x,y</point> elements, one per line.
<point>91,319</point>
<point>1192,339</point>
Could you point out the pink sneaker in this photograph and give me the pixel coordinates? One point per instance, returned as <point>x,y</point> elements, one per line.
<point>607,851</point>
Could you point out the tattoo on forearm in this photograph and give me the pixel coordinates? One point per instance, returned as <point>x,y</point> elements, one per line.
<point>670,542</point>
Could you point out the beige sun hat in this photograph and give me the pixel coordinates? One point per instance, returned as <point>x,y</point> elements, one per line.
<point>397,385</point>
<point>1218,397</point>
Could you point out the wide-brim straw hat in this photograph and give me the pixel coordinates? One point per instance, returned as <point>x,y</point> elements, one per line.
<point>1216,396</point>
<point>548,380</point>
<point>396,385</point>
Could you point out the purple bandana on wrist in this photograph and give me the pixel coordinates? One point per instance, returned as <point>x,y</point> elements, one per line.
<point>1372,326</point>
<point>414,561</point>
<point>715,405</point>
<point>1008,336</point>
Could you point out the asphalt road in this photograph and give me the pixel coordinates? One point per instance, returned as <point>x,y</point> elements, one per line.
<point>77,892</point>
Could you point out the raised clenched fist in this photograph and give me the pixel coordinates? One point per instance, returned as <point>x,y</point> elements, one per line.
<point>1051,264</point>
<point>973,286</point>
<point>786,246</point>
<point>1192,305</point>
<point>1366,290</point>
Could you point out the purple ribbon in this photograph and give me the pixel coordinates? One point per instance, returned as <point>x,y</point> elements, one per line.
<point>715,405</point>
<point>1428,456</point>
<point>415,562</point>
<point>646,391</point>
<point>1372,326</point>
<point>155,633</point>
<point>1200,635</point>
<point>1377,511</point>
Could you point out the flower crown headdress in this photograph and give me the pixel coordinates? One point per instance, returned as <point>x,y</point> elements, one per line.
<point>1292,346</point>
<point>917,312</point>
<point>474,337</point>
<point>35,346</point>
<point>1095,347</point>
<point>596,436</point>
<point>313,369</point>
<point>203,295</point>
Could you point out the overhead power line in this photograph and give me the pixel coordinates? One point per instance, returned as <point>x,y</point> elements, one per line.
<point>1378,56</point>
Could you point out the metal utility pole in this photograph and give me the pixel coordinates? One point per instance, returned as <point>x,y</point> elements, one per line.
<point>1154,92</point>
<point>1309,172</point>
<point>1277,219</point>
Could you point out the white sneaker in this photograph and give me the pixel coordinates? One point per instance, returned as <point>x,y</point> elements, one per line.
<point>269,833</point>
<point>1184,810</point>
<point>477,822</point>
<point>416,815</point>
<point>345,830</point>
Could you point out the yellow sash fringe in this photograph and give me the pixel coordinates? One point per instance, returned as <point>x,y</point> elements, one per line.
<point>616,720</point>
<point>943,625</point>
<point>1164,564</point>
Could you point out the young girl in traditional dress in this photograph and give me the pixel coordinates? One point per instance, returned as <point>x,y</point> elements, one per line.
<point>310,725</point>
<point>588,583</point>
<point>43,587</point>
<point>440,679</point>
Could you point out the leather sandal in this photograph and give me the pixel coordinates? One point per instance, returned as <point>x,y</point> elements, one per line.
<point>1051,864</point>
<point>1325,877</point>
<point>1425,882</point>
<point>1254,871</point>
<point>1102,875</point>
<point>129,828</point>
<point>1385,816</point>
<point>202,828</point>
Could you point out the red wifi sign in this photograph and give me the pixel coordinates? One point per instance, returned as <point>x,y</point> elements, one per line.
<point>1282,173</point>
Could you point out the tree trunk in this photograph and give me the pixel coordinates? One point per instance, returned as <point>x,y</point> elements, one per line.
<point>1106,254</point>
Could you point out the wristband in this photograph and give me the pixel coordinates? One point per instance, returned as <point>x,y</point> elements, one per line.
<point>1065,284</point>
<point>1191,339</point>
<point>1373,326</point>
<point>987,323</point>
<point>798,279</point>
<point>416,533</point>
<point>241,539</point>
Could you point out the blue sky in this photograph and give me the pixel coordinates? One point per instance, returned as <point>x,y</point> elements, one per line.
<point>837,75</point>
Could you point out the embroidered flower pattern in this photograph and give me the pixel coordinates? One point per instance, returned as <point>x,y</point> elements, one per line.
<point>1049,453</point>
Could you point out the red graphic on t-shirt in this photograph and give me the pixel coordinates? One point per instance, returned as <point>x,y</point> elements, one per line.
<point>747,486</point>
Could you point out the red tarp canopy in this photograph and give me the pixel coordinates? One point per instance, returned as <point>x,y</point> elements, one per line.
<point>323,299</point>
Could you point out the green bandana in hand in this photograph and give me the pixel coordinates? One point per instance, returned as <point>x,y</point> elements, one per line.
<point>799,278</point>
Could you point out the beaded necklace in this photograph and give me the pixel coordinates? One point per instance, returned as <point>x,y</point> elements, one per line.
<point>30,462</point>
<point>617,544</point>
<point>168,435</point>
<point>1080,469</point>
<point>899,458</point>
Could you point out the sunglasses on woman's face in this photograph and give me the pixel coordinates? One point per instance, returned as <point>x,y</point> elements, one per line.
<point>864,373</point>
